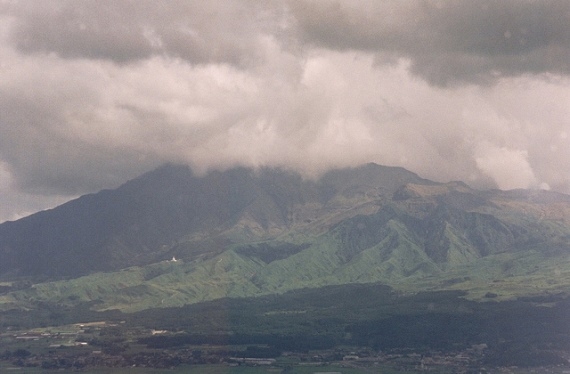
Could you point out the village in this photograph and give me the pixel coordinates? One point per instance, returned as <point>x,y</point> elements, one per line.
<point>109,345</point>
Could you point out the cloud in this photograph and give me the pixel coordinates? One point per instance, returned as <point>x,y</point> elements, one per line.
<point>16,203</point>
<point>130,31</point>
<point>92,95</point>
<point>508,167</point>
<point>447,42</point>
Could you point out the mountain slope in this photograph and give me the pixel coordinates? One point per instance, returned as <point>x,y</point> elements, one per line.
<point>245,233</point>
<point>171,211</point>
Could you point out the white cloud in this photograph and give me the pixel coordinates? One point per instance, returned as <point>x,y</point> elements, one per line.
<point>509,168</point>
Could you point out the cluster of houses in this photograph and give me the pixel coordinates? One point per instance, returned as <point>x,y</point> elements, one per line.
<point>57,355</point>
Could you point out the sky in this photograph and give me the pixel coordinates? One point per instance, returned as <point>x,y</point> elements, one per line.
<point>96,92</point>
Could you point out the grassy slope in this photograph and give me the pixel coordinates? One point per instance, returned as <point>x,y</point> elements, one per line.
<point>429,241</point>
<point>401,264</point>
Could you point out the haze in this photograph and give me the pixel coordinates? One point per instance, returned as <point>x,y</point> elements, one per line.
<point>93,93</point>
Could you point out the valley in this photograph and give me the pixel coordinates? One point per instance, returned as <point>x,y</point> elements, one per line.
<point>348,329</point>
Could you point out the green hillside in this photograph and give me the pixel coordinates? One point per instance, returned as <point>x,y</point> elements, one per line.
<point>170,238</point>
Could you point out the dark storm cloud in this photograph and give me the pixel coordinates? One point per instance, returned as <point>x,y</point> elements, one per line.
<point>128,31</point>
<point>447,41</point>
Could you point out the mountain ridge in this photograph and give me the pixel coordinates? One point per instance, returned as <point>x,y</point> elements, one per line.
<point>170,237</point>
<point>158,208</point>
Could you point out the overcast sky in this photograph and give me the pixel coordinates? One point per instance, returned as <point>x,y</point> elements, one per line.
<point>94,93</point>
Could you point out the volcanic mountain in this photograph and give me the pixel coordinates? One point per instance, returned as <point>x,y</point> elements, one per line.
<point>171,237</point>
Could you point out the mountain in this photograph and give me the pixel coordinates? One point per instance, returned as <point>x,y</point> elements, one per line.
<point>145,219</point>
<point>171,237</point>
